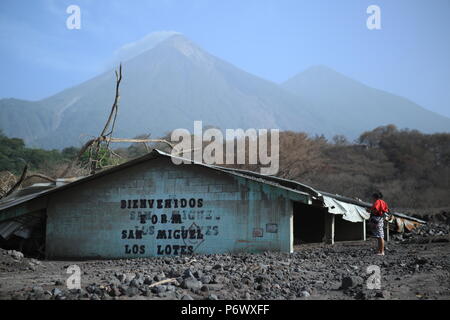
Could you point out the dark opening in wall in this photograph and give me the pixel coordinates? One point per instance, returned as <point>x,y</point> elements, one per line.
<point>29,238</point>
<point>309,223</point>
<point>346,230</point>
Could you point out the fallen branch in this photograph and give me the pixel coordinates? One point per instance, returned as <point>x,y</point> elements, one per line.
<point>162,282</point>
<point>80,154</point>
<point>41,176</point>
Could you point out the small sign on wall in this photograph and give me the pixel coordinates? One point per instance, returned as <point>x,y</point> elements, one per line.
<point>258,232</point>
<point>272,228</point>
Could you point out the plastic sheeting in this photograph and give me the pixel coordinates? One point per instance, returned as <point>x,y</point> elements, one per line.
<point>349,212</point>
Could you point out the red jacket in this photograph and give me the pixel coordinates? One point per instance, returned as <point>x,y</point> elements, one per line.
<point>379,208</point>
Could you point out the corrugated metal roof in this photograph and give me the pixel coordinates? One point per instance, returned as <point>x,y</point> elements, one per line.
<point>20,226</point>
<point>6,204</point>
<point>12,202</point>
<point>289,185</point>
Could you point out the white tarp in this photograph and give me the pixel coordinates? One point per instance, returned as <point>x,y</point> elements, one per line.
<point>349,212</point>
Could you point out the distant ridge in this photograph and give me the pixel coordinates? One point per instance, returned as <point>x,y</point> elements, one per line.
<point>176,82</point>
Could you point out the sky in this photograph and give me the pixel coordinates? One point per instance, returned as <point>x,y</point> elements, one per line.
<point>273,39</point>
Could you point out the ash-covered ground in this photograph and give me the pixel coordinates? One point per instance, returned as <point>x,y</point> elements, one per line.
<point>416,266</point>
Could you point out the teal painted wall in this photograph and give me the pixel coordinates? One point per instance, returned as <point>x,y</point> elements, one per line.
<point>207,212</point>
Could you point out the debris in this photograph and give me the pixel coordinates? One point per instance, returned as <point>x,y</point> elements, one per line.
<point>351,282</point>
<point>192,284</point>
<point>163,282</point>
<point>16,254</point>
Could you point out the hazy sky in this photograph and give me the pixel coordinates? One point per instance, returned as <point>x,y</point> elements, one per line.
<point>274,39</point>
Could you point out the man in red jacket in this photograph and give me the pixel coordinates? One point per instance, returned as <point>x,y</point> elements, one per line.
<point>378,209</point>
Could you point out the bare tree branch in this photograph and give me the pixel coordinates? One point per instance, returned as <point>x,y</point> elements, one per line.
<point>19,182</point>
<point>40,176</point>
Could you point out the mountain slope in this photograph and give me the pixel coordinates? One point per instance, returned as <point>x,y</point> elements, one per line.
<point>354,107</point>
<point>169,87</point>
<point>175,83</point>
<point>24,119</point>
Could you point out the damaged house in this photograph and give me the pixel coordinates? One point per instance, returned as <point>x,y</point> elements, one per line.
<point>152,207</point>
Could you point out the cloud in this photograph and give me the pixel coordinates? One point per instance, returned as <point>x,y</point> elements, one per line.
<point>133,49</point>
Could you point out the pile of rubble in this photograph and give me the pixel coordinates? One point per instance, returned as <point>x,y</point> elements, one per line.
<point>437,229</point>
<point>12,260</point>
<point>315,271</point>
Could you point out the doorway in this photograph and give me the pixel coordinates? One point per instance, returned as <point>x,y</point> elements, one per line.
<point>309,223</point>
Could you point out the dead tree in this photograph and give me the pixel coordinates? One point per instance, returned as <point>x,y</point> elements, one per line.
<point>104,140</point>
<point>94,146</point>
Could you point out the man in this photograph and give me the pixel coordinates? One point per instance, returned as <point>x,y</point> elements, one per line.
<point>378,209</point>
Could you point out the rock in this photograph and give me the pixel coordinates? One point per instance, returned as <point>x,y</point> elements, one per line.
<point>91,289</point>
<point>35,262</point>
<point>58,283</point>
<point>220,279</point>
<point>132,291</point>
<point>160,277</point>
<point>188,274</point>
<point>17,296</point>
<point>16,254</point>
<point>148,281</point>
<point>114,292</point>
<point>204,288</point>
<point>114,282</point>
<point>213,297</point>
<point>84,294</point>
<point>206,279</point>
<point>37,290</point>
<point>191,284</point>
<point>198,274</point>
<point>305,294</point>
<point>56,292</point>
<point>75,291</point>
<point>121,277</point>
<point>135,283</point>
<point>421,261</point>
<point>187,297</point>
<point>213,286</point>
<point>170,288</point>
<point>159,289</point>
<point>261,287</point>
<point>361,295</point>
<point>262,278</point>
<point>351,282</point>
<point>129,277</point>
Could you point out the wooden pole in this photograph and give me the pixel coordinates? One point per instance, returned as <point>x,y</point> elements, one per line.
<point>387,230</point>
<point>364,230</point>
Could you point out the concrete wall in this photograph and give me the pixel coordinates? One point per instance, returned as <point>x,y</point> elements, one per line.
<point>157,208</point>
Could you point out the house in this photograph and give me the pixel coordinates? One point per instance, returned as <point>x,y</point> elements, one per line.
<point>153,207</point>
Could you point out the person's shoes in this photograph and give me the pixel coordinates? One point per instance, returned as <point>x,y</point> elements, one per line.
<point>380,254</point>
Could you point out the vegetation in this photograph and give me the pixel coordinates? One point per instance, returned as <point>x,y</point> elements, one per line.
<point>14,155</point>
<point>412,169</point>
